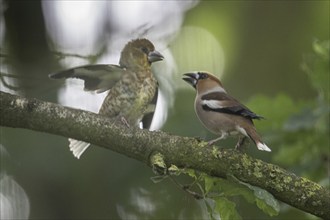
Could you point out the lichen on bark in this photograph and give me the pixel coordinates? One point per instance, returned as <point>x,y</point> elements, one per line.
<point>183,152</point>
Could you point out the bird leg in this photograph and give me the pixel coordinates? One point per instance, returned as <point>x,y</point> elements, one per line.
<point>124,121</point>
<point>240,143</point>
<point>223,135</point>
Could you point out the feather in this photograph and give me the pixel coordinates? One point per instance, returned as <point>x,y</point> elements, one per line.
<point>78,147</point>
<point>99,78</point>
<point>223,103</point>
<point>264,147</point>
<point>149,114</point>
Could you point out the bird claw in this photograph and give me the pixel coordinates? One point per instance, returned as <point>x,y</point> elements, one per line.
<point>211,142</point>
<point>124,121</point>
<point>237,147</point>
<point>240,144</point>
<point>223,136</point>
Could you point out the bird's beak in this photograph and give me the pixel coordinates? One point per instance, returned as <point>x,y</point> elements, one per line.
<point>191,78</point>
<point>155,56</point>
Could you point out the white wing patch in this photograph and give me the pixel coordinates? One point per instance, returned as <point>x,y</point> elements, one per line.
<point>213,104</point>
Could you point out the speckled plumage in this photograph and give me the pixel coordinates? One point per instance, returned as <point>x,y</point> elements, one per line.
<point>132,85</point>
<point>131,95</point>
<point>130,100</point>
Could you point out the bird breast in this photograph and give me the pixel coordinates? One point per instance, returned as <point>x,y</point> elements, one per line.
<point>129,98</point>
<point>216,122</point>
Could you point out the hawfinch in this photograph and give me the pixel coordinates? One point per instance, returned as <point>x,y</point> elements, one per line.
<point>220,113</point>
<point>132,85</point>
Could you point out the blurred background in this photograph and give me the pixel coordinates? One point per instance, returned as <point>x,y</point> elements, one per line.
<point>273,56</point>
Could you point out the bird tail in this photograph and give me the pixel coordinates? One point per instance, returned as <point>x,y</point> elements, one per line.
<point>78,147</point>
<point>257,140</point>
<point>263,146</point>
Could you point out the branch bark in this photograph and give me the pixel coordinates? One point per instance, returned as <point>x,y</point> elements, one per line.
<point>33,114</point>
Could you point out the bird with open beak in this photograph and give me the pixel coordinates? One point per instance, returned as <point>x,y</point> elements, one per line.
<point>222,114</point>
<point>133,87</point>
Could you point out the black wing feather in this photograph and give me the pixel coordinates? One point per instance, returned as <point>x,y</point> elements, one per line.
<point>147,118</point>
<point>235,108</point>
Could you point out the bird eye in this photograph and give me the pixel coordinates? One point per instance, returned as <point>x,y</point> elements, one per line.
<point>145,50</point>
<point>202,76</point>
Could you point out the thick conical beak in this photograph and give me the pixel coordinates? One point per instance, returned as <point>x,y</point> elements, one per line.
<point>191,78</point>
<point>155,56</point>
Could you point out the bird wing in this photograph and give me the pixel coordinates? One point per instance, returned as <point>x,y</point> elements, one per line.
<point>99,77</point>
<point>149,114</point>
<point>223,103</point>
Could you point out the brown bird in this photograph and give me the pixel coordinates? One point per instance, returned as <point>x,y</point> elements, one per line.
<point>220,113</point>
<point>133,87</point>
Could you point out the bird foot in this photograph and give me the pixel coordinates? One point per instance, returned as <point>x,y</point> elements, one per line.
<point>211,142</point>
<point>238,147</point>
<point>240,144</point>
<point>124,121</point>
<point>223,135</point>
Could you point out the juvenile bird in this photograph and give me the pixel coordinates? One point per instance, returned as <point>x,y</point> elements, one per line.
<point>133,87</point>
<point>220,113</point>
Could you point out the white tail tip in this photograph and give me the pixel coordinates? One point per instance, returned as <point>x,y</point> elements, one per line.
<point>77,147</point>
<point>263,147</point>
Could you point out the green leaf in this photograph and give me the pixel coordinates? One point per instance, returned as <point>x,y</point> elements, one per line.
<point>174,170</point>
<point>190,172</point>
<point>211,208</point>
<point>226,209</point>
<point>208,183</point>
<point>265,201</point>
<point>230,188</point>
<point>252,194</point>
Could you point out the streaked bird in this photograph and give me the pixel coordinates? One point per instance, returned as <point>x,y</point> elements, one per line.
<point>133,87</point>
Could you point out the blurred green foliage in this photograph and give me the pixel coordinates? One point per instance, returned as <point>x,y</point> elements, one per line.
<point>301,128</point>
<point>308,152</point>
<point>262,43</point>
<point>300,132</point>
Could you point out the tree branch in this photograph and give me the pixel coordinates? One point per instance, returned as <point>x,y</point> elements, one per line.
<point>33,114</point>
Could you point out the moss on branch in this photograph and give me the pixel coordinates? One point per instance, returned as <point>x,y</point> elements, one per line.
<point>183,152</point>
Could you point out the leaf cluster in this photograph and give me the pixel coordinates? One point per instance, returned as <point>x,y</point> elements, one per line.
<point>218,195</point>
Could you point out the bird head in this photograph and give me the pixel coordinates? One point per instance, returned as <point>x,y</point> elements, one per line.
<point>139,53</point>
<point>203,82</point>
